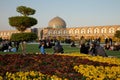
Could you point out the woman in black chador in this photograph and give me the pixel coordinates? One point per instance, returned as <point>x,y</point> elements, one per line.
<point>58,48</point>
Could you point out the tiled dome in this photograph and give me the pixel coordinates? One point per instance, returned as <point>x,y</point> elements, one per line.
<point>57,22</point>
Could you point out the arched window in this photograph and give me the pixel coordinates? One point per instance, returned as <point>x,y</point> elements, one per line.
<point>59,31</point>
<point>8,33</point>
<point>70,31</point>
<point>1,34</point>
<point>96,30</point>
<point>103,30</point>
<point>55,32</point>
<point>76,31</point>
<point>82,31</point>
<point>89,31</point>
<point>111,30</point>
<point>4,33</point>
<point>65,32</point>
<point>49,32</point>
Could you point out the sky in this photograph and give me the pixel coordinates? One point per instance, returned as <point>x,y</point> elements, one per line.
<point>76,13</point>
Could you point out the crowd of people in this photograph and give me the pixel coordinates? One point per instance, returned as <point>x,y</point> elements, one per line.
<point>86,47</point>
<point>8,46</point>
<point>57,47</point>
<point>115,46</point>
<point>92,47</point>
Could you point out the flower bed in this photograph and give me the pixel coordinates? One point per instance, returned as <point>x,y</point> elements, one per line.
<point>38,66</point>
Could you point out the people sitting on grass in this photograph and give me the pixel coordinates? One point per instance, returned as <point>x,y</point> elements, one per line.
<point>107,46</point>
<point>7,46</point>
<point>73,44</point>
<point>58,48</point>
<point>97,50</point>
<point>114,47</point>
<point>84,48</point>
<point>14,49</point>
<point>92,50</point>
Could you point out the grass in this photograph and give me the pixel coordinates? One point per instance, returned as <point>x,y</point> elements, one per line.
<point>67,49</point>
<point>33,48</point>
<point>113,53</point>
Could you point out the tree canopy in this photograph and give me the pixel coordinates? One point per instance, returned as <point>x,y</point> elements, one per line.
<point>117,34</point>
<point>0,39</point>
<point>21,23</point>
<point>25,11</point>
<point>23,37</point>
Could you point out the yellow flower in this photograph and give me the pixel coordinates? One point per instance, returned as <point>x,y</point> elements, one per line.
<point>1,78</point>
<point>32,73</point>
<point>118,79</point>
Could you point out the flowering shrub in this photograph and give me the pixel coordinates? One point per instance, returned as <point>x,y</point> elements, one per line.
<point>57,67</point>
<point>109,60</point>
<point>99,72</point>
<point>34,75</point>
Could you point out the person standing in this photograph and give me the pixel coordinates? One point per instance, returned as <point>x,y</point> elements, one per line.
<point>42,49</point>
<point>82,41</point>
<point>110,40</point>
<point>106,40</point>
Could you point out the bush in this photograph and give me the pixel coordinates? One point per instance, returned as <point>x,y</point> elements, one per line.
<point>23,37</point>
<point>117,34</point>
<point>0,39</point>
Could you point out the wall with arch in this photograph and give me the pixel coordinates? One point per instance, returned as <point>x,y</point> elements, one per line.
<point>87,32</point>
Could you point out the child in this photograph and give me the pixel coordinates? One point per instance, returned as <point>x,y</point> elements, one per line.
<point>13,49</point>
<point>42,50</point>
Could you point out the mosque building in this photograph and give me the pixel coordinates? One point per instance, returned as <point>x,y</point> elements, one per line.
<point>57,22</point>
<point>57,28</point>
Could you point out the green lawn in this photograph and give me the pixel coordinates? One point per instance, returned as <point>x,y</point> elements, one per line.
<point>33,48</point>
<point>113,53</point>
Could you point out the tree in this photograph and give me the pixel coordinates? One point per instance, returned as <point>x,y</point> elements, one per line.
<point>23,37</point>
<point>26,11</point>
<point>0,39</point>
<point>41,34</point>
<point>117,34</point>
<point>21,23</point>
